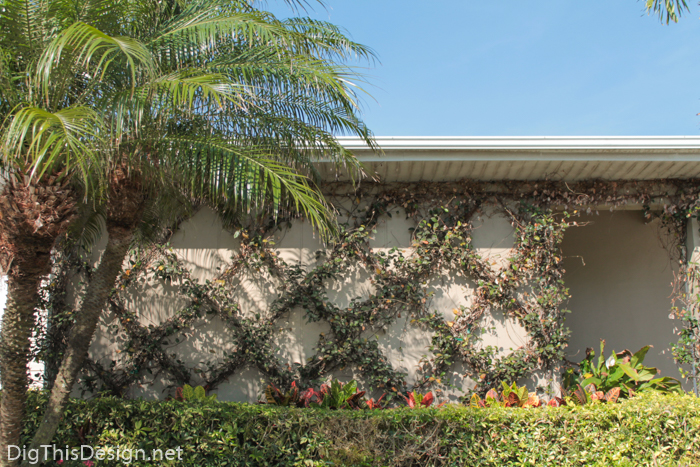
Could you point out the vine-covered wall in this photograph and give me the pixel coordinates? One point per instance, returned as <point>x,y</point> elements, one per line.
<point>452,287</point>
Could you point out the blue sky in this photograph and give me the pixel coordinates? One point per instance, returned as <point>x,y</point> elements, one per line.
<point>508,67</point>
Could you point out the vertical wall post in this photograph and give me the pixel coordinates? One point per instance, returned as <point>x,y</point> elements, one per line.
<point>693,256</point>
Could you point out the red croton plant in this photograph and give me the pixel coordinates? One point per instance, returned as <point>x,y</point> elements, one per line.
<point>417,400</point>
<point>510,396</point>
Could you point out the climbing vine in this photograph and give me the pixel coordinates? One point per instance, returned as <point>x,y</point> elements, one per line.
<point>529,288</point>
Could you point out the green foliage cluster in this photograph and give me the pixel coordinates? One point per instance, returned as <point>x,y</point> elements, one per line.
<point>188,394</point>
<point>687,350</point>
<point>648,430</point>
<point>510,396</point>
<point>334,396</point>
<point>338,395</point>
<point>622,370</point>
<point>291,398</point>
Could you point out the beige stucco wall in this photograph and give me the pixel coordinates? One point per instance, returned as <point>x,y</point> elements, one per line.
<point>619,274</point>
<point>203,246</point>
<point>620,294</point>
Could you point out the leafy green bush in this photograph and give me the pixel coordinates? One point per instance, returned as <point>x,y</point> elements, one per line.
<point>647,430</point>
<point>622,370</point>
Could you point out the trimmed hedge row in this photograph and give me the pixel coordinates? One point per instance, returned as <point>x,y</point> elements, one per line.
<point>650,429</point>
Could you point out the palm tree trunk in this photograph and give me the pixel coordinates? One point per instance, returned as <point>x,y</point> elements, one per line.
<point>83,330</point>
<point>33,213</point>
<point>17,326</point>
<point>124,211</point>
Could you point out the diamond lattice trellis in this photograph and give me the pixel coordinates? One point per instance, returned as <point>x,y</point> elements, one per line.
<point>526,288</point>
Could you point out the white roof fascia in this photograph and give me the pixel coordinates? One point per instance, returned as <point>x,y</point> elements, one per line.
<point>541,148</point>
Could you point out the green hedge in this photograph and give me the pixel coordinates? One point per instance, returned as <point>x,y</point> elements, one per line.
<point>648,430</point>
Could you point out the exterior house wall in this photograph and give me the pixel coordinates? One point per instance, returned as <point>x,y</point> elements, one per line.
<point>203,245</point>
<point>620,294</point>
<point>619,274</point>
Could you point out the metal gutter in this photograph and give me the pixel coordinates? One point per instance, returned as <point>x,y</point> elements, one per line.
<point>571,158</point>
<point>530,143</point>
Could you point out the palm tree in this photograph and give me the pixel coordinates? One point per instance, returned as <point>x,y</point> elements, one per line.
<point>226,103</point>
<point>40,189</point>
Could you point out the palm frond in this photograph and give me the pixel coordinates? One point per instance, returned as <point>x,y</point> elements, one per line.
<point>191,89</point>
<point>284,74</point>
<point>22,27</point>
<point>106,15</point>
<point>333,114</point>
<point>324,39</point>
<point>165,210</point>
<point>667,10</point>
<point>10,96</point>
<point>88,228</point>
<point>199,31</point>
<point>244,179</point>
<point>236,100</point>
<point>313,92</point>
<point>295,5</point>
<point>95,51</point>
<point>184,89</point>
<point>186,93</point>
<point>297,143</point>
<point>64,141</point>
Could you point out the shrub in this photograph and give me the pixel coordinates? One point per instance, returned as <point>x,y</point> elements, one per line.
<point>623,370</point>
<point>647,430</point>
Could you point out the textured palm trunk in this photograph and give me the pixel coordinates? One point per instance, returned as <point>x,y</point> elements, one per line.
<point>83,330</point>
<point>17,326</point>
<point>32,216</point>
<point>124,211</point>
